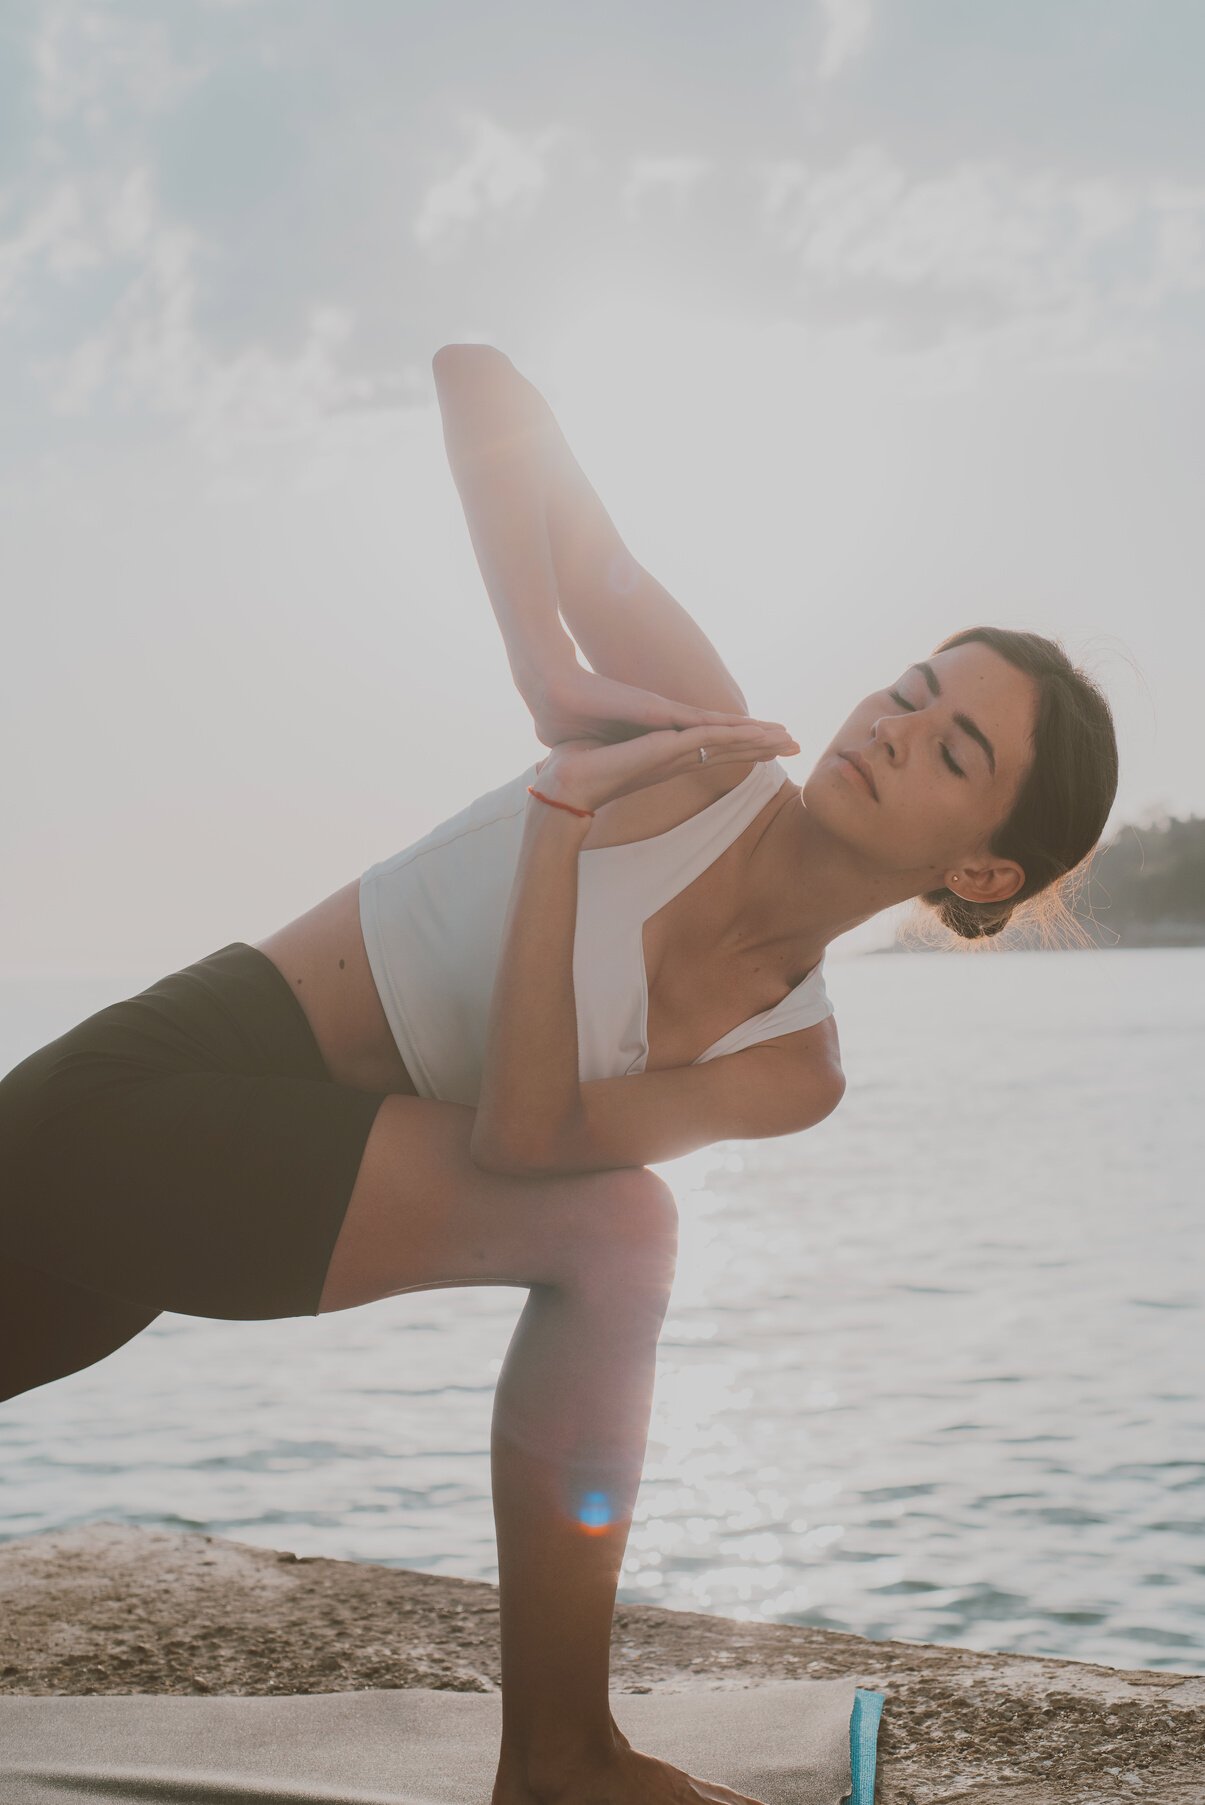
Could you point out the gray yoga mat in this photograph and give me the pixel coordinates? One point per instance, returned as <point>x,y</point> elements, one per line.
<point>785,1741</point>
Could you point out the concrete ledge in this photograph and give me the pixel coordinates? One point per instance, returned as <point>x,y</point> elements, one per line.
<point>106,1608</point>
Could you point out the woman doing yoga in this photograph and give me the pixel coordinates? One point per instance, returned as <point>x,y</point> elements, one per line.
<point>457,1069</point>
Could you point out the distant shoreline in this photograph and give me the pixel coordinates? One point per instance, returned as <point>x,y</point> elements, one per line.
<point>1146,888</point>
<point>1151,937</point>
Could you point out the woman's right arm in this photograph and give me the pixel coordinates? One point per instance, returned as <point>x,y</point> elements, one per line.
<point>627,624</point>
<point>495,447</point>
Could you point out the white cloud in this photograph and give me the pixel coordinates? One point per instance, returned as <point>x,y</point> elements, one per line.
<point>258,398</point>
<point>78,224</point>
<point>501,173</point>
<point>92,65</point>
<point>1074,263</point>
<point>678,174</point>
<point>148,352</point>
<point>47,235</point>
<point>847,25</point>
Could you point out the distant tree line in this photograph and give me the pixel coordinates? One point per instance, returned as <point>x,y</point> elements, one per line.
<point>1147,887</point>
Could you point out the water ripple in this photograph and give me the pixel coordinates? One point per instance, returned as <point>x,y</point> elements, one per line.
<point>815,1455</point>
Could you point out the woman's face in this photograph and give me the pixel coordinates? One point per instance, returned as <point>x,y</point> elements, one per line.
<point>944,746</point>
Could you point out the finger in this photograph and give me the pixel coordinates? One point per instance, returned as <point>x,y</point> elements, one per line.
<point>759,751</point>
<point>621,730</point>
<point>703,716</point>
<point>668,713</point>
<point>676,751</point>
<point>710,718</point>
<point>738,755</point>
<point>713,715</point>
<point>722,735</point>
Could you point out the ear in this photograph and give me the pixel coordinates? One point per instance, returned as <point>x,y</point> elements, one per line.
<point>981,883</point>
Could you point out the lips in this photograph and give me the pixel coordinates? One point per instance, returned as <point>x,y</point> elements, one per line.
<point>860,765</point>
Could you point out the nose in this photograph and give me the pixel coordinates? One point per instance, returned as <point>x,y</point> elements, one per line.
<point>886,731</point>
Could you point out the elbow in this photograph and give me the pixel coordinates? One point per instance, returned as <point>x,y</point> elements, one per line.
<point>451,358</point>
<point>822,1097</point>
<point>832,1093</point>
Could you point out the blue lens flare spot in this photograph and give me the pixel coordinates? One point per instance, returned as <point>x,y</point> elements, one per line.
<point>595,1511</point>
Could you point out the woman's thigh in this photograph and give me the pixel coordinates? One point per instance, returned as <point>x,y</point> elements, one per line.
<point>423,1215</point>
<point>49,1328</point>
<point>184,1149</point>
<point>207,1193</point>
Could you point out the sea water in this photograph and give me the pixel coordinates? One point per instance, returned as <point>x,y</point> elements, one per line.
<point>932,1370</point>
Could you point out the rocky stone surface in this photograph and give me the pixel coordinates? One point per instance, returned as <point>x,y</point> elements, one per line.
<point>108,1608</point>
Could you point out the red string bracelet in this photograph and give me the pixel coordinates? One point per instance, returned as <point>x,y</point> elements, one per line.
<point>553,803</point>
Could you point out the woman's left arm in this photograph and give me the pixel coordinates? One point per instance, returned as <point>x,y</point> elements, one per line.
<point>530,1095</point>
<point>530,1108</point>
<point>534,1117</point>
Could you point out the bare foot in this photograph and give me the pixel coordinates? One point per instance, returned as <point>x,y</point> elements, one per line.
<point>629,1778</point>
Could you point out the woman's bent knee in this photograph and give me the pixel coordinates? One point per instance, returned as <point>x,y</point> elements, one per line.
<point>422,1214</point>
<point>628,1231</point>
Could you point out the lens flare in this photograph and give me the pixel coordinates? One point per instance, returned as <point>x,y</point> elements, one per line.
<point>594,1513</point>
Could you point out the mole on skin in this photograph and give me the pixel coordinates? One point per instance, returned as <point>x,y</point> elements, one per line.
<point>341,963</point>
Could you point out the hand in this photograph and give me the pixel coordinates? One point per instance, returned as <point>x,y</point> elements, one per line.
<point>572,703</point>
<point>587,773</point>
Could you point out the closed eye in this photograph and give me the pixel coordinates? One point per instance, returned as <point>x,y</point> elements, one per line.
<point>945,750</point>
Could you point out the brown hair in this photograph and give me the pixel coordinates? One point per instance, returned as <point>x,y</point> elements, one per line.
<point>1065,796</point>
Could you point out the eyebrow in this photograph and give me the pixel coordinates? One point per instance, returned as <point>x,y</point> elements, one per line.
<point>960,720</point>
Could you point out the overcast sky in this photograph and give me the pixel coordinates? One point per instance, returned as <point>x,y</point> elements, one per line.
<point>869,321</point>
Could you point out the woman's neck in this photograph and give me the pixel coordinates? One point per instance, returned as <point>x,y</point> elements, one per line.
<point>806,887</point>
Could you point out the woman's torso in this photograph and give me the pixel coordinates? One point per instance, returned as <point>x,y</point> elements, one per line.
<point>323,956</point>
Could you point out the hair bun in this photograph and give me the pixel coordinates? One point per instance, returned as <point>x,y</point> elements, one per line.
<point>971,920</point>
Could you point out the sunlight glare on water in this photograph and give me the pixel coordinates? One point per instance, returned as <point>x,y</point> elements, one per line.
<point>931,1370</point>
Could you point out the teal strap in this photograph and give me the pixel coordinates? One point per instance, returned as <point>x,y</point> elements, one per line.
<point>863,1739</point>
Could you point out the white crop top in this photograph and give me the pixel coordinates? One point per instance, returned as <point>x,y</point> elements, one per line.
<point>433,914</point>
